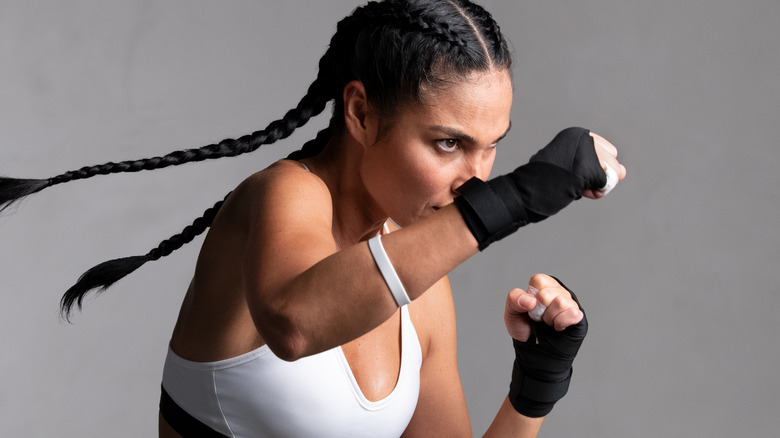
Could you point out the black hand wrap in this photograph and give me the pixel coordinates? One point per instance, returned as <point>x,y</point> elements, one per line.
<point>543,366</point>
<point>554,177</point>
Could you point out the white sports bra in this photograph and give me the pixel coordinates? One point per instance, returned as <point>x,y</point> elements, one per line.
<point>259,395</point>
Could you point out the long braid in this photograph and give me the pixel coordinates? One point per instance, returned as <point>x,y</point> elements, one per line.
<point>102,276</point>
<point>393,47</point>
<point>312,104</point>
<point>13,190</point>
<point>313,146</point>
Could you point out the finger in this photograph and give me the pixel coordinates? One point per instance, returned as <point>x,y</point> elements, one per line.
<point>541,281</point>
<point>593,194</point>
<point>607,159</point>
<point>549,294</point>
<point>556,300</point>
<point>567,319</point>
<point>539,309</point>
<point>621,171</point>
<point>607,153</point>
<point>563,312</point>
<point>547,288</point>
<point>614,173</point>
<point>601,142</point>
<point>612,180</point>
<point>613,177</point>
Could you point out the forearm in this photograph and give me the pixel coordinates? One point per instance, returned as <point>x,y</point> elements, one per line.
<point>426,251</point>
<point>342,295</point>
<point>510,423</point>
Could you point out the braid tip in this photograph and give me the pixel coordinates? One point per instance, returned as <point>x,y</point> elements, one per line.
<point>13,190</point>
<point>98,278</point>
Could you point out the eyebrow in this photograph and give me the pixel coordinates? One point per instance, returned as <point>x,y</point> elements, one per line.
<point>454,133</point>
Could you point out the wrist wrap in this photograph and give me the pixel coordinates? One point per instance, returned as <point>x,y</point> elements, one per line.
<point>543,366</point>
<point>554,177</point>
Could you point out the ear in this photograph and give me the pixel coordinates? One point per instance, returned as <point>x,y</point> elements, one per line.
<point>359,118</point>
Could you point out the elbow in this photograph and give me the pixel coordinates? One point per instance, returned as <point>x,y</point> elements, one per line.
<point>282,335</point>
<point>288,348</point>
<point>281,320</point>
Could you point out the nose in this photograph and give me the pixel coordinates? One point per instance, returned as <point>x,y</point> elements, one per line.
<point>473,166</point>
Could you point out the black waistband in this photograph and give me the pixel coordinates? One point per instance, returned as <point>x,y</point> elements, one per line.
<point>183,423</point>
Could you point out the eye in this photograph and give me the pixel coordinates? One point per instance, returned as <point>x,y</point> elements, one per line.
<point>447,144</point>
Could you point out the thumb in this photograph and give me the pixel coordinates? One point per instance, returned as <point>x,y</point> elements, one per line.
<point>519,301</point>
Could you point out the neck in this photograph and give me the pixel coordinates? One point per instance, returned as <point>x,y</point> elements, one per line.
<point>356,216</point>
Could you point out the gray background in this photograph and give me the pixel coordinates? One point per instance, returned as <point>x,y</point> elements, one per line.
<point>675,268</point>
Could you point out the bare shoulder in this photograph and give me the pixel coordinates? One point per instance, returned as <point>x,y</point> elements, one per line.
<point>287,179</point>
<point>288,215</point>
<point>283,192</point>
<point>283,170</point>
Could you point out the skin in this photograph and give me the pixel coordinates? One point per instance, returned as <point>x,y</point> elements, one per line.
<point>285,262</point>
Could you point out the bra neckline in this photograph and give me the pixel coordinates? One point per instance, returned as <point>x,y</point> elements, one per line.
<point>406,357</point>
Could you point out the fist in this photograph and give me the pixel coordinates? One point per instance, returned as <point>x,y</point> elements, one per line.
<point>562,311</point>
<point>607,154</point>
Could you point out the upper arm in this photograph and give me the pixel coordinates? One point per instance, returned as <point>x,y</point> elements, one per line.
<point>441,407</point>
<point>288,231</point>
<point>305,293</point>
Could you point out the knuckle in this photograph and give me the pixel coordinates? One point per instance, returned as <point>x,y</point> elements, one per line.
<point>540,280</point>
<point>545,297</point>
<point>560,302</point>
<point>567,318</point>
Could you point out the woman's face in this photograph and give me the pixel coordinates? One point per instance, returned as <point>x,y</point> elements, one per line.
<point>430,150</point>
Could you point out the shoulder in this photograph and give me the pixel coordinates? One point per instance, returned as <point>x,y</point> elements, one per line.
<point>283,191</point>
<point>283,178</point>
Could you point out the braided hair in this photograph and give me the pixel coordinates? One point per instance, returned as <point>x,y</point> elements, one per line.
<point>397,49</point>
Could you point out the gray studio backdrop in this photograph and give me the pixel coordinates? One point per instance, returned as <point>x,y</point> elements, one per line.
<point>675,268</point>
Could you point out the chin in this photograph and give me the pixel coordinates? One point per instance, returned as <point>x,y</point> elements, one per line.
<point>415,216</point>
<point>425,213</point>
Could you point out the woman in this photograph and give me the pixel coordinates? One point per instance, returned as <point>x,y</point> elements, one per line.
<point>311,312</point>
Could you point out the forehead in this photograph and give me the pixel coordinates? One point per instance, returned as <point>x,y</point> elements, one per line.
<point>478,105</point>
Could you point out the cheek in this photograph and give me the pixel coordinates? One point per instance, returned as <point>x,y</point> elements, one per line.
<point>424,175</point>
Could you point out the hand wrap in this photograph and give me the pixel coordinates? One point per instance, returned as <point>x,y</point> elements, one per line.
<point>543,366</point>
<point>554,177</point>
